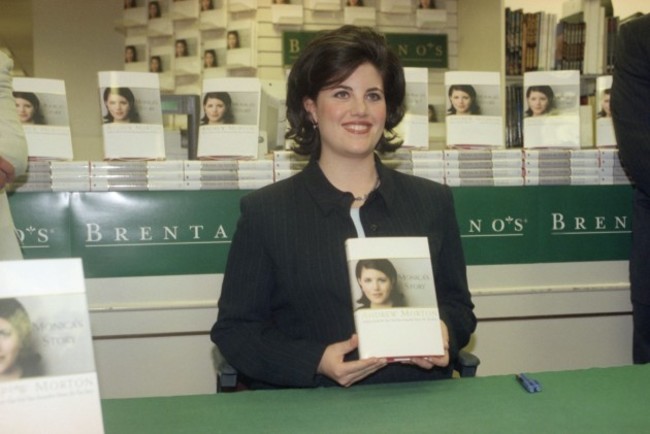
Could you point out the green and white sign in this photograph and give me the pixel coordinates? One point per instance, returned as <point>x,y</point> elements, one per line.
<point>189,232</point>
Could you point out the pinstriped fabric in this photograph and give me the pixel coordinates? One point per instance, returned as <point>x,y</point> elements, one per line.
<point>286,295</point>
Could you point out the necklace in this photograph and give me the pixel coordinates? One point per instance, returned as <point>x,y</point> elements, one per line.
<point>365,196</point>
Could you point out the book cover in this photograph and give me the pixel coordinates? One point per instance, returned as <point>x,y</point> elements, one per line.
<point>394,297</point>
<point>43,111</point>
<point>551,109</point>
<point>132,115</point>
<point>414,128</point>
<point>230,117</point>
<point>48,380</point>
<point>605,136</point>
<point>474,116</point>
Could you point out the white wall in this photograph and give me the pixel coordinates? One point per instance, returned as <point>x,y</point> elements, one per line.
<point>73,40</point>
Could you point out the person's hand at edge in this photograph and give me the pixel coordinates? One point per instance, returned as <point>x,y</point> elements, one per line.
<point>7,172</point>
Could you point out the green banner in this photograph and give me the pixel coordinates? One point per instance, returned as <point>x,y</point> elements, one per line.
<point>189,232</point>
<point>414,49</point>
<point>513,225</point>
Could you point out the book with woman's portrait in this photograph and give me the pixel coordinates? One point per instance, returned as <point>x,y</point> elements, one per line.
<point>48,379</point>
<point>132,115</point>
<point>42,109</point>
<point>551,109</point>
<point>473,110</point>
<point>605,136</point>
<point>230,118</point>
<point>394,297</point>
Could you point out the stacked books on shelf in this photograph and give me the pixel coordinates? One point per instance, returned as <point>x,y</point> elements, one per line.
<point>145,175</point>
<point>562,167</point>
<point>582,38</point>
<point>611,170</point>
<point>429,165</point>
<point>54,176</point>
<point>498,167</point>
<point>514,116</point>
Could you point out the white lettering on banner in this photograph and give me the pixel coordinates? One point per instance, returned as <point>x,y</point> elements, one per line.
<point>507,226</point>
<point>34,237</point>
<point>563,225</point>
<point>95,234</point>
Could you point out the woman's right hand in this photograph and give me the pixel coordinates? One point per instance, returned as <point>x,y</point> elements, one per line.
<point>333,365</point>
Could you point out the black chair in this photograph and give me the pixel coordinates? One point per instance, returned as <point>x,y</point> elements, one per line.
<point>466,366</point>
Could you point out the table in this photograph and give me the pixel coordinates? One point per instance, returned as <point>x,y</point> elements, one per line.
<point>598,400</point>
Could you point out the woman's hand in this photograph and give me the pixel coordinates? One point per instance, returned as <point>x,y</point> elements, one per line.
<point>332,363</point>
<point>7,172</point>
<point>431,361</point>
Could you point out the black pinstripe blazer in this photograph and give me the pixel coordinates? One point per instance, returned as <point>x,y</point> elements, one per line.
<point>286,293</point>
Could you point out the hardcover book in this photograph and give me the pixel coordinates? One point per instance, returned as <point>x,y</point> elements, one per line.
<point>473,110</point>
<point>43,111</point>
<point>394,297</point>
<point>48,380</point>
<point>132,115</point>
<point>230,118</point>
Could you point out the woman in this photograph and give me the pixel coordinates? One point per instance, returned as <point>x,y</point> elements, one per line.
<point>130,54</point>
<point>28,107</point>
<point>209,59</point>
<point>462,98</point>
<point>154,10</point>
<point>605,111</point>
<point>285,312</point>
<point>217,109</point>
<point>120,106</point>
<point>233,39</point>
<point>426,4</point>
<point>206,5</point>
<point>353,3</point>
<point>540,100</point>
<point>180,48</point>
<point>18,358</point>
<point>155,64</point>
<point>377,279</point>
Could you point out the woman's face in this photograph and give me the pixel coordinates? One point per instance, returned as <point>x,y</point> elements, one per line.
<point>233,40</point>
<point>605,105</point>
<point>376,286</point>
<point>537,103</point>
<point>153,10</point>
<point>118,107</point>
<point>214,110</point>
<point>205,5</point>
<point>208,59</point>
<point>461,101</point>
<point>25,111</point>
<point>351,115</point>
<point>9,350</point>
<point>154,65</point>
<point>180,49</point>
<point>425,4</point>
<point>129,55</point>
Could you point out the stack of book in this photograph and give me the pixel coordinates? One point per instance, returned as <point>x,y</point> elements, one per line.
<point>514,116</point>
<point>499,167</point>
<point>287,163</point>
<point>611,170</point>
<point>429,165</point>
<point>561,167</point>
<point>54,176</point>
<point>227,174</point>
<point>399,160</point>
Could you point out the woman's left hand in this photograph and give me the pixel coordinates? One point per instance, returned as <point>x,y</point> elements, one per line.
<point>431,361</point>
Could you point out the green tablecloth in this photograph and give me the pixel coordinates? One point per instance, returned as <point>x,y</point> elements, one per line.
<point>608,400</point>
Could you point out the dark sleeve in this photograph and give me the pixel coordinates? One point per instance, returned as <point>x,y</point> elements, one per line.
<point>630,100</point>
<point>245,332</point>
<point>454,299</point>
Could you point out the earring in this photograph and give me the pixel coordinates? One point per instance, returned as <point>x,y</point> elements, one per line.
<point>314,124</point>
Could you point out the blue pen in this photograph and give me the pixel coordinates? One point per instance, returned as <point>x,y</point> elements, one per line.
<point>531,385</point>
